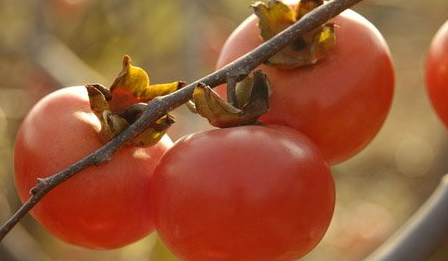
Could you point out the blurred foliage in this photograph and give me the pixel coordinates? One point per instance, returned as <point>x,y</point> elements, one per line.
<point>47,44</point>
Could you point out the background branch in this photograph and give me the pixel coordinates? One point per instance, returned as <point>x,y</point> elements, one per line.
<point>161,105</point>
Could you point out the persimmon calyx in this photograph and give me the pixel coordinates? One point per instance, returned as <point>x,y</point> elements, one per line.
<point>275,16</point>
<point>114,124</point>
<point>130,87</point>
<point>111,124</point>
<point>155,131</point>
<point>252,95</point>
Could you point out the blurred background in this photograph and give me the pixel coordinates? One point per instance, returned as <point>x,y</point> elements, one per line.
<point>48,44</point>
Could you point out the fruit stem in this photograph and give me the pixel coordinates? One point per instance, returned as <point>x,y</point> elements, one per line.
<point>231,91</point>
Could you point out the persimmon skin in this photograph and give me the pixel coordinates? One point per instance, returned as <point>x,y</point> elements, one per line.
<point>437,73</point>
<point>101,207</point>
<point>260,193</point>
<point>342,101</point>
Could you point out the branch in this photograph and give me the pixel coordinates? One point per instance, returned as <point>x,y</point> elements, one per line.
<point>161,105</point>
<point>423,232</point>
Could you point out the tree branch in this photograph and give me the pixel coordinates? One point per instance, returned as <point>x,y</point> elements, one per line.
<point>161,105</point>
<point>423,232</point>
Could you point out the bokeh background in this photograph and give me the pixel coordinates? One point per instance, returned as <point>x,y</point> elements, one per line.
<point>48,44</point>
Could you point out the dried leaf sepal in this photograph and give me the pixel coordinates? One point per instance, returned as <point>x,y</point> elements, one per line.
<point>113,124</point>
<point>155,131</point>
<point>252,102</point>
<point>274,16</point>
<point>131,87</point>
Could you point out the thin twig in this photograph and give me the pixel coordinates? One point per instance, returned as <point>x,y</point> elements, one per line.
<point>231,92</point>
<point>161,105</point>
<point>423,232</point>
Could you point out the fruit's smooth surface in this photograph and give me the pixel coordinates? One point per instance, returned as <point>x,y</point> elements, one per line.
<point>101,207</point>
<point>341,101</point>
<point>243,193</point>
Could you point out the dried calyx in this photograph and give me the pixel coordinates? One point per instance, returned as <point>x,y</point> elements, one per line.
<point>115,107</point>
<point>251,101</point>
<point>275,16</point>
